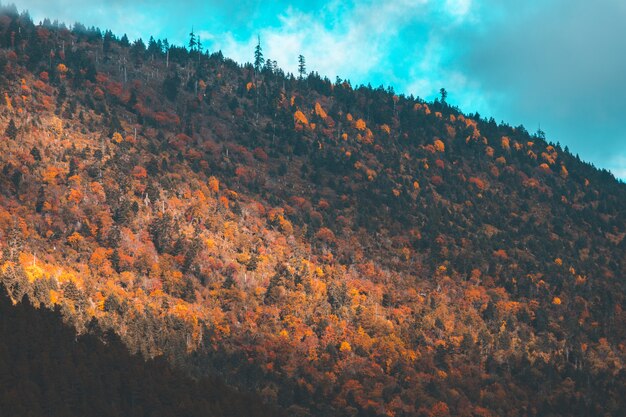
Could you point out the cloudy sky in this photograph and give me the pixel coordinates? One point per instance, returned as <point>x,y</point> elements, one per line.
<point>555,64</point>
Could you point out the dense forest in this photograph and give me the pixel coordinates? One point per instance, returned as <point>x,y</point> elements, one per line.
<point>46,370</point>
<point>336,249</point>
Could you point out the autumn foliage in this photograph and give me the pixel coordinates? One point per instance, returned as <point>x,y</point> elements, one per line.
<point>340,250</point>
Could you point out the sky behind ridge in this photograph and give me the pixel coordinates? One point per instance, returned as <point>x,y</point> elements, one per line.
<point>555,64</point>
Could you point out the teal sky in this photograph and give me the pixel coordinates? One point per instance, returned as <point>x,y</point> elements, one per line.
<point>557,64</point>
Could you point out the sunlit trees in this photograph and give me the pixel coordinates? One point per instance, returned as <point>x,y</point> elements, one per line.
<point>300,119</point>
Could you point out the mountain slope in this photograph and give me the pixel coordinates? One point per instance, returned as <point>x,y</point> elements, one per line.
<point>45,370</point>
<point>340,250</point>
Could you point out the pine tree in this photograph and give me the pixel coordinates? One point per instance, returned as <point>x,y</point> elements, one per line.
<point>11,130</point>
<point>171,83</point>
<point>166,49</point>
<point>153,48</point>
<point>192,41</point>
<point>138,49</point>
<point>35,153</point>
<point>106,42</point>
<point>199,48</point>
<point>301,66</point>
<point>258,56</point>
<point>41,200</point>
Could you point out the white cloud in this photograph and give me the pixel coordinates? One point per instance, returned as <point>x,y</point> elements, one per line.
<point>458,8</point>
<point>359,43</point>
<point>119,16</point>
<point>617,165</point>
<point>351,46</point>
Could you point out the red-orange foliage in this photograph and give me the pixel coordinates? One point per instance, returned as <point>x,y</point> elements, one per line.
<point>139,172</point>
<point>440,409</point>
<point>436,180</point>
<point>214,185</point>
<point>501,253</point>
<point>165,119</point>
<point>545,168</point>
<point>325,235</point>
<point>260,154</point>
<point>300,119</point>
<point>480,184</point>
<point>75,196</point>
<point>98,93</point>
<point>319,111</point>
<point>360,124</point>
<point>50,174</point>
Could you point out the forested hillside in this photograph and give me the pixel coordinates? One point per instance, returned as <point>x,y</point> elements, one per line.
<point>339,250</point>
<point>45,370</point>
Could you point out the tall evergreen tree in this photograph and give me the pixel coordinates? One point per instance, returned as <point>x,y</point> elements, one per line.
<point>199,48</point>
<point>138,49</point>
<point>106,42</point>
<point>153,47</point>
<point>192,41</point>
<point>171,83</point>
<point>35,153</point>
<point>269,66</point>
<point>166,50</point>
<point>301,66</point>
<point>11,130</point>
<point>258,56</point>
